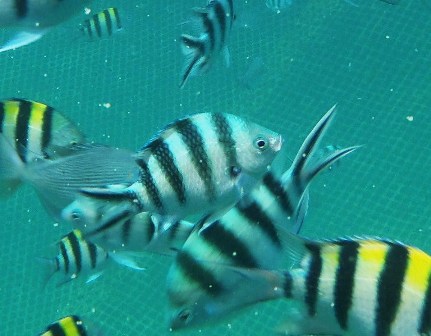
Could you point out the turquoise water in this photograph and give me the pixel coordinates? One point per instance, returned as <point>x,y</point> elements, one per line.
<point>373,60</point>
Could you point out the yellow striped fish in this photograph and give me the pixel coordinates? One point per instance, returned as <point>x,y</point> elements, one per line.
<point>350,287</point>
<point>71,325</point>
<point>37,130</point>
<point>102,24</point>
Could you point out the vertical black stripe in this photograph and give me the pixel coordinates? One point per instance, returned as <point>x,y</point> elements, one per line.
<point>209,29</point>
<point>195,144</point>
<point>76,250</point>
<point>125,231</point>
<point>226,139</point>
<point>46,128</point>
<point>220,15</point>
<point>97,27</point>
<point>92,249</point>
<point>151,228</point>
<point>86,28</point>
<point>21,130</point>
<point>345,281</point>
<point>108,21</point>
<point>79,325</point>
<point>198,273</point>
<point>425,318</point>
<point>65,256</point>
<point>275,186</point>
<point>257,216</point>
<point>149,185</point>
<point>2,113</point>
<point>56,330</point>
<point>117,18</point>
<point>21,8</point>
<point>231,12</point>
<point>231,246</point>
<point>288,284</point>
<point>389,287</point>
<point>166,161</point>
<point>312,278</point>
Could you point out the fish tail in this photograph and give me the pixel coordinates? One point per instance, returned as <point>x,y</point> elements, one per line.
<point>11,168</point>
<point>193,48</point>
<point>50,267</point>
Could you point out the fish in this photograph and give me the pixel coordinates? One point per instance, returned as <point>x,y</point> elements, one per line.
<point>77,256</point>
<point>278,5</point>
<point>348,286</point>
<point>32,19</point>
<point>102,24</point>
<point>198,164</point>
<point>71,325</point>
<point>144,232</point>
<point>216,20</point>
<point>58,182</point>
<point>37,130</point>
<point>245,236</point>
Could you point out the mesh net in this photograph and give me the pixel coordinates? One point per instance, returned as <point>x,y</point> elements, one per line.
<point>286,70</point>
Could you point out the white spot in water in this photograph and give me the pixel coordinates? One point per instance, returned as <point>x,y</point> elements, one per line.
<point>387,36</point>
<point>409,118</point>
<point>106,105</point>
<point>87,11</point>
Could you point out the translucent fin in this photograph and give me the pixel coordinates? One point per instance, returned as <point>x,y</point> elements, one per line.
<point>301,212</point>
<point>192,48</point>
<point>22,38</point>
<point>126,259</point>
<point>93,277</point>
<point>11,168</point>
<point>50,268</point>
<point>226,56</point>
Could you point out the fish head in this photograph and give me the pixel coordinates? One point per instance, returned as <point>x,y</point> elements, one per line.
<point>257,148</point>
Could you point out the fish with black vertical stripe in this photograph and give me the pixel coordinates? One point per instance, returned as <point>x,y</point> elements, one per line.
<point>215,22</point>
<point>348,286</point>
<point>78,256</point>
<point>34,18</point>
<point>246,236</point>
<point>198,164</point>
<point>71,325</point>
<point>103,24</point>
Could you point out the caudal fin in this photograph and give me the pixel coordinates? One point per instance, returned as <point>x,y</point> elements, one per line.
<point>11,168</point>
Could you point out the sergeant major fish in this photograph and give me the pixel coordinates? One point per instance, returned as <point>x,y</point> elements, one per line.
<point>79,256</point>
<point>216,20</point>
<point>102,24</point>
<point>198,164</point>
<point>34,18</point>
<point>71,325</point>
<point>346,287</point>
<point>245,236</point>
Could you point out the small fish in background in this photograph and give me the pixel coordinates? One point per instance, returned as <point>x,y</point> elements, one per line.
<point>71,325</point>
<point>78,256</point>
<point>278,5</point>
<point>29,20</point>
<point>253,73</point>
<point>102,24</point>
<point>247,235</point>
<point>346,286</point>
<point>216,20</point>
<point>199,164</point>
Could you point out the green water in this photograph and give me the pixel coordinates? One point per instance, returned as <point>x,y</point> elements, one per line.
<point>373,60</point>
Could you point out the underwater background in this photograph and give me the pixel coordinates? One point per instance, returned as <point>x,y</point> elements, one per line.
<point>286,71</point>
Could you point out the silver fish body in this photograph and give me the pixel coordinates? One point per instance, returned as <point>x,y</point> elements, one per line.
<point>197,165</point>
<point>216,20</point>
<point>246,236</point>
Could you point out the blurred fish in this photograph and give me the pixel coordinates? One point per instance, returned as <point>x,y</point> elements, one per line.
<point>245,236</point>
<point>216,20</point>
<point>278,5</point>
<point>198,164</point>
<point>71,325</point>
<point>102,24</point>
<point>253,73</point>
<point>78,256</point>
<point>58,182</point>
<point>34,18</point>
<point>347,286</point>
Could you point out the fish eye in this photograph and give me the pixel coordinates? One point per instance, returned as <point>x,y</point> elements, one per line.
<point>75,215</point>
<point>261,143</point>
<point>184,315</point>
<point>235,171</point>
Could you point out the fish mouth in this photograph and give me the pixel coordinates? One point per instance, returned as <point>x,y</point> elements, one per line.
<point>276,143</point>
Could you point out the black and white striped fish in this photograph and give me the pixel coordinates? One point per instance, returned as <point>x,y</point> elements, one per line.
<point>71,325</point>
<point>215,20</point>
<point>102,24</point>
<point>246,236</point>
<point>349,287</point>
<point>199,164</point>
<point>79,256</point>
<point>35,18</point>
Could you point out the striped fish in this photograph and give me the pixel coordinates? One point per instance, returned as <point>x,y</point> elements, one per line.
<point>34,18</point>
<point>79,256</point>
<point>198,164</point>
<point>145,232</point>
<point>216,20</point>
<point>71,325</point>
<point>102,24</point>
<point>278,5</point>
<point>351,287</point>
<point>246,236</point>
